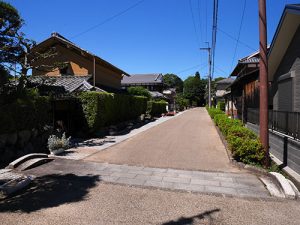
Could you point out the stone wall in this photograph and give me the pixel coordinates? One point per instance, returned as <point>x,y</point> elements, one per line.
<point>17,144</point>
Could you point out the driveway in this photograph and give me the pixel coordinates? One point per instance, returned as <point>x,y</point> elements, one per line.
<point>189,141</point>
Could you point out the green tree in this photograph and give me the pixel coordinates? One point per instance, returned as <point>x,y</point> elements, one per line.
<point>173,81</point>
<point>194,89</point>
<point>139,91</point>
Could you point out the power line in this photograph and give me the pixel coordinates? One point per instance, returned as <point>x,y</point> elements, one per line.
<point>193,67</point>
<point>239,33</point>
<point>194,24</point>
<point>108,19</point>
<point>233,38</point>
<point>199,18</point>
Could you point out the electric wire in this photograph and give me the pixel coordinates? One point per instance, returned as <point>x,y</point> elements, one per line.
<point>239,33</point>
<point>108,19</point>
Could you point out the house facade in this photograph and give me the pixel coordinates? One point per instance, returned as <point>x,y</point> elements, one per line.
<point>245,88</point>
<point>284,62</point>
<point>152,81</point>
<point>72,60</point>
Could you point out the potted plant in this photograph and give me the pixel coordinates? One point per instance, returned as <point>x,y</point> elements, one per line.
<point>58,145</point>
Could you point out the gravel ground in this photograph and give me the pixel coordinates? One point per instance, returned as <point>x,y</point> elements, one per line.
<point>189,141</point>
<point>115,204</point>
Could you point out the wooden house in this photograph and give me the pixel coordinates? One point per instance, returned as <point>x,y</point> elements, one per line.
<point>245,88</point>
<point>74,61</point>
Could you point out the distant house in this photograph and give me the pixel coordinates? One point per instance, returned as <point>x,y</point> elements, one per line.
<point>244,89</point>
<point>153,82</point>
<point>284,62</point>
<point>222,94</point>
<point>75,63</point>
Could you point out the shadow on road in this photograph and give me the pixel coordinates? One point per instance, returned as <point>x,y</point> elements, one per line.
<point>50,191</point>
<point>191,220</point>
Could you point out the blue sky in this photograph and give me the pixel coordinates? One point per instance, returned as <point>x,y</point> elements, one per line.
<point>155,36</point>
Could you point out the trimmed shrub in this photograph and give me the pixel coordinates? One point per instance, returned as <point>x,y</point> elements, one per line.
<point>243,143</point>
<point>104,109</point>
<point>139,91</point>
<point>25,114</point>
<point>156,108</point>
<point>213,111</point>
<point>221,106</point>
<point>250,151</point>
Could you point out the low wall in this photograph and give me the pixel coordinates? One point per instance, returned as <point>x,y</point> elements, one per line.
<point>286,149</point>
<point>17,144</point>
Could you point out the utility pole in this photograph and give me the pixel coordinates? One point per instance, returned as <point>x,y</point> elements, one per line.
<point>209,74</point>
<point>263,82</point>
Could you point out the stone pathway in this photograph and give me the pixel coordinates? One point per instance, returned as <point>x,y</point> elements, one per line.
<point>232,184</point>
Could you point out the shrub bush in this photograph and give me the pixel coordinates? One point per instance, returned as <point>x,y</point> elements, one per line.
<point>139,91</point>
<point>156,108</point>
<point>25,114</point>
<point>213,111</point>
<point>221,106</point>
<point>243,143</point>
<point>104,109</point>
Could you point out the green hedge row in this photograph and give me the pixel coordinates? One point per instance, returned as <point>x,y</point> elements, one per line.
<point>221,106</point>
<point>104,109</point>
<point>25,114</point>
<point>243,143</point>
<point>156,108</point>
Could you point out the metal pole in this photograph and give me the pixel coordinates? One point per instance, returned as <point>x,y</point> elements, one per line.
<point>263,81</point>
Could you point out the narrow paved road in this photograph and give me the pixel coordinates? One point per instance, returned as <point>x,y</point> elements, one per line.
<point>189,141</point>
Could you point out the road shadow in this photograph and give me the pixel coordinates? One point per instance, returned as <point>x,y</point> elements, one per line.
<point>191,220</point>
<point>50,191</point>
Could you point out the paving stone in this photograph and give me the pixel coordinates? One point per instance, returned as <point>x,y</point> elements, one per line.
<point>205,182</point>
<point>187,172</point>
<point>252,193</point>
<point>251,181</point>
<point>165,174</point>
<point>156,178</point>
<point>140,172</point>
<point>123,175</point>
<point>156,170</point>
<point>130,181</point>
<point>159,184</point>
<point>238,185</point>
<point>189,187</point>
<point>109,178</point>
<point>177,180</point>
<point>221,190</point>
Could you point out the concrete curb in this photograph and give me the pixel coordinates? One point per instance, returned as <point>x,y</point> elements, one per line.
<point>289,190</point>
<point>25,158</point>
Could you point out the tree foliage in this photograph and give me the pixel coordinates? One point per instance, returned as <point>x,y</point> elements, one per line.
<point>194,89</point>
<point>173,81</point>
<point>139,91</point>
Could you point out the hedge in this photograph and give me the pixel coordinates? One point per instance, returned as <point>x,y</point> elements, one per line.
<point>243,143</point>
<point>25,114</point>
<point>221,106</point>
<point>104,109</point>
<point>156,108</point>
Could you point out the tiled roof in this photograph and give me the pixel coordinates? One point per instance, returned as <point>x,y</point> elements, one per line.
<point>143,79</point>
<point>250,60</point>
<point>67,84</point>
<point>228,80</point>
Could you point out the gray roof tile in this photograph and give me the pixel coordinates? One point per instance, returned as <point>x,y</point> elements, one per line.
<point>143,79</point>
